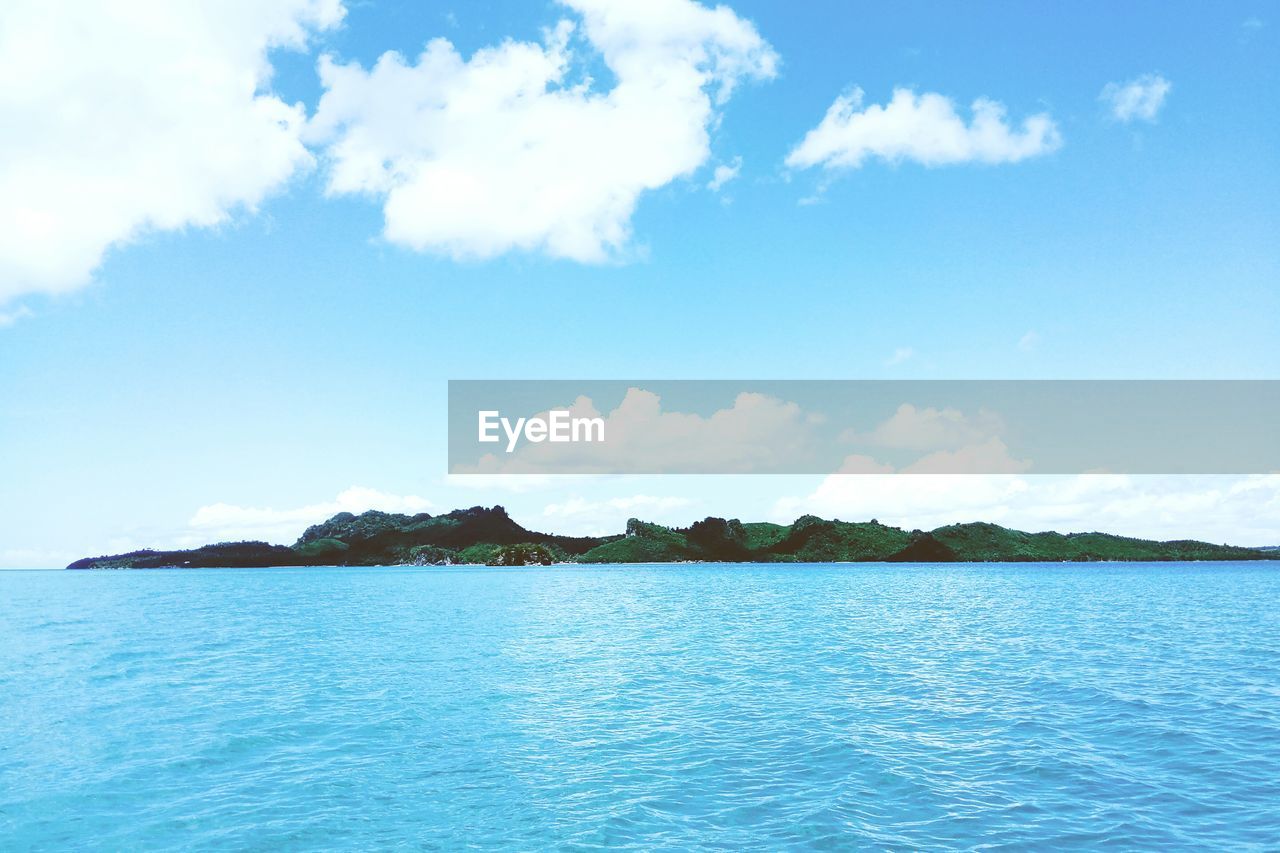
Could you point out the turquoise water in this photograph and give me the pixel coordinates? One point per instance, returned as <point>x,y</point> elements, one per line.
<point>652,707</point>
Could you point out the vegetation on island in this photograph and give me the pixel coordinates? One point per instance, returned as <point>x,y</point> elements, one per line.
<point>488,536</point>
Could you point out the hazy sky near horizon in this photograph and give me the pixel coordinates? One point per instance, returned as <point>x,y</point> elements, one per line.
<point>243,247</point>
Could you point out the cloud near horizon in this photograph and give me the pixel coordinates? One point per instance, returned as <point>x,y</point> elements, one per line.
<point>581,517</point>
<point>228,522</point>
<point>135,118</point>
<point>516,148</point>
<point>1235,510</point>
<point>923,128</point>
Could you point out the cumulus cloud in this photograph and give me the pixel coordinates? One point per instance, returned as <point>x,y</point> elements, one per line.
<point>225,522</point>
<point>126,118</point>
<point>914,428</point>
<point>724,173</point>
<point>756,433</point>
<point>517,147</point>
<point>925,128</point>
<point>950,441</point>
<point>990,456</point>
<point>1139,98</point>
<point>1238,510</point>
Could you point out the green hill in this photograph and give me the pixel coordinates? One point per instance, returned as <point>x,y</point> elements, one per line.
<point>490,536</point>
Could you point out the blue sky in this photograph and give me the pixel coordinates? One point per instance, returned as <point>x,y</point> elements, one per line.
<point>290,351</point>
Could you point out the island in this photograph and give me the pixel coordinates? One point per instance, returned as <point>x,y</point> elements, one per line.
<point>489,536</point>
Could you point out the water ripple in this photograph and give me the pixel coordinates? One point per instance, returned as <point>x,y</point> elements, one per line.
<point>714,707</point>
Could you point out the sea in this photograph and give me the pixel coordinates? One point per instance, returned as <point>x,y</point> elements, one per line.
<point>707,706</point>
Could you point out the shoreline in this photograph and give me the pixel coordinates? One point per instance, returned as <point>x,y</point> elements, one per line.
<point>735,563</point>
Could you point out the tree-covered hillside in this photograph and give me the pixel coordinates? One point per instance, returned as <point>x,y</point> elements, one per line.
<point>481,535</point>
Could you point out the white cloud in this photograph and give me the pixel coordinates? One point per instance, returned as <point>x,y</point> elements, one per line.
<point>1139,98</point>
<point>756,433</point>
<point>579,517</point>
<point>126,118</point>
<point>862,464</point>
<point>1029,341</point>
<point>1236,510</point>
<point>517,148</point>
<point>724,173</point>
<point>900,355</point>
<point>951,443</point>
<point>929,428</point>
<point>8,318</point>
<point>922,501</point>
<point>226,522</point>
<point>990,456</point>
<point>925,128</point>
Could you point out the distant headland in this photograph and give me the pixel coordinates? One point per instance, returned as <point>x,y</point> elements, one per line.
<point>487,535</point>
